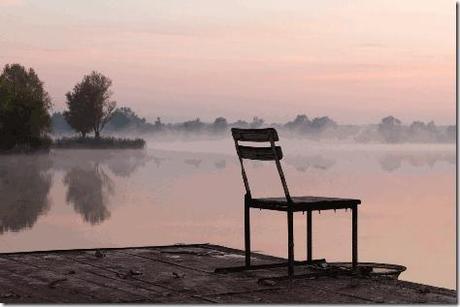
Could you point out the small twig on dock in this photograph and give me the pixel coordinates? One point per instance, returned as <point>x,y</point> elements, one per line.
<point>54,283</point>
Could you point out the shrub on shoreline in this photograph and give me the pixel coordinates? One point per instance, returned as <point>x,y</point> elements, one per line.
<point>98,143</point>
<point>34,145</point>
<point>24,106</point>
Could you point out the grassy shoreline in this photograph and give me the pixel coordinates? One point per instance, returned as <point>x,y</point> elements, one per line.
<point>98,143</point>
<point>77,143</point>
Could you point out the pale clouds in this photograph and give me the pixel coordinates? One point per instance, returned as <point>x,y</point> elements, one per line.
<point>353,60</point>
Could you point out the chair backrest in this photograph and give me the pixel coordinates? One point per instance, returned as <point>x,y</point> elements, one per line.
<point>268,153</point>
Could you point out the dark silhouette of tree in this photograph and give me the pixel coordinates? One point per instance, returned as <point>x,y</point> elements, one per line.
<point>25,182</point>
<point>125,118</point>
<point>24,105</point>
<point>219,125</point>
<point>88,188</point>
<point>451,133</point>
<point>90,107</point>
<point>159,125</point>
<point>421,132</point>
<point>240,124</point>
<point>193,125</point>
<point>390,128</point>
<point>301,122</point>
<point>417,126</point>
<point>121,118</point>
<point>321,123</point>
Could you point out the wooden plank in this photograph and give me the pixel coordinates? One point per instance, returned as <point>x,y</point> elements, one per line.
<point>372,289</point>
<point>13,289</point>
<point>131,276</point>
<point>173,277</point>
<point>416,286</point>
<point>86,273</point>
<point>424,293</point>
<point>205,259</point>
<point>183,274</point>
<point>254,135</point>
<point>70,289</point>
<point>285,296</point>
<point>260,153</point>
<point>29,282</point>
<point>167,276</point>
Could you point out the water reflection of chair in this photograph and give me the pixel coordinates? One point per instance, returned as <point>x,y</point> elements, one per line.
<point>288,204</point>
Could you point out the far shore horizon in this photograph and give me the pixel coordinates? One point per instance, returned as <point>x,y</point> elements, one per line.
<point>125,121</point>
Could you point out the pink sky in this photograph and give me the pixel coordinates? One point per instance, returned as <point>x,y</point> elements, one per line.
<point>355,61</point>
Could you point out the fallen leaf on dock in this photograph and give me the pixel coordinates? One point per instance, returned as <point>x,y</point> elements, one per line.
<point>134,272</point>
<point>9,295</point>
<point>178,275</point>
<point>99,254</point>
<point>424,290</point>
<point>55,282</point>
<point>267,282</point>
<point>121,275</point>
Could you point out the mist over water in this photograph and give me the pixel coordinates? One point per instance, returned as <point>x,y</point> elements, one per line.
<point>177,191</point>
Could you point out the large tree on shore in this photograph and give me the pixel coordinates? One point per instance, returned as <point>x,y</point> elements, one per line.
<point>89,104</point>
<point>24,106</point>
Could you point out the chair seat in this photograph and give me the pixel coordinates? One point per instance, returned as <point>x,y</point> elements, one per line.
<point>304,203</point>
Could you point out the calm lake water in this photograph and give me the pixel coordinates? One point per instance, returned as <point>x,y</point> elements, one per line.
<point>192,192</point>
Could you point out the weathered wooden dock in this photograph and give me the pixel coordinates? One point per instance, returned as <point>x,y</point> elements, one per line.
<point>186,274</point>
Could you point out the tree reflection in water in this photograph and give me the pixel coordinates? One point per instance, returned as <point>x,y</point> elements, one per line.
<point>123,164</point>
<point>25,182</point>
<point>88,191</point>
<point>89,186</point>
<point>26,179</point>
<point>302,163</point>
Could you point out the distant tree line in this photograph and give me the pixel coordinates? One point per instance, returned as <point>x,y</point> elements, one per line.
<point>389,130</point>
<point>25,119</point>
<point>392,130</point>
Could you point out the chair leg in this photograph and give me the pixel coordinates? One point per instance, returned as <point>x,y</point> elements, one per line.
<point>354,222</point>
<point>290,243</point>
<point>309,236</point>
<point>247,234</point>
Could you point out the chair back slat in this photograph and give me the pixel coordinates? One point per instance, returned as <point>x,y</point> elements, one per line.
<point>255,135</point>
<point>271,153</point>
<point>260,153</point>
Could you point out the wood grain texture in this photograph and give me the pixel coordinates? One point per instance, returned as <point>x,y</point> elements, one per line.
<point>255,135</point>
<point>260,153</point>
<point>185,274</point>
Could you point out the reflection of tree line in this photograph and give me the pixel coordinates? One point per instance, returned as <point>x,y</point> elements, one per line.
<point>388,162</point>
<point>392,161</point>
<point>25,181</point>
<point>303,163</point>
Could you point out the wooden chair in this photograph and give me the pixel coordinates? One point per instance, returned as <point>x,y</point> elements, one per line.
<point>288,203</point>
